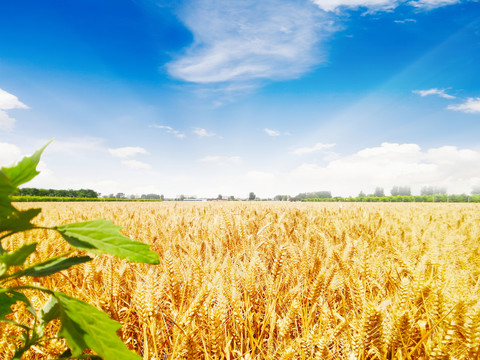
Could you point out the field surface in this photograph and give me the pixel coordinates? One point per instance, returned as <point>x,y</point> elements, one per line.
<point>278,280</point>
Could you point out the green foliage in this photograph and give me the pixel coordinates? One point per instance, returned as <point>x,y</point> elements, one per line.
<point>28,198</point>
<point>103,236</point>
<point>82,193</point>
<point>82,325</point>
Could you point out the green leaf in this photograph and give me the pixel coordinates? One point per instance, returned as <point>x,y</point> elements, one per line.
<point>19,220</point>
<point>86,327</point>
<point>51,266</point>
<point>18,257</point>
<point>25,170</point>
<point>50,310</point>
<point>106,237</point>
<point>9,298</point>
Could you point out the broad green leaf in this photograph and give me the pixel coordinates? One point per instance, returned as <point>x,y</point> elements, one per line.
<point>104,236</point>
<point>9,298</point>
<point>6,187</point>
<point>86,327</point>
<point>18,257</point>
<point>19,220</point>
<point>50,310</point>
<point>25,170</point>
<point>6,207</point>
<point>52,266</point>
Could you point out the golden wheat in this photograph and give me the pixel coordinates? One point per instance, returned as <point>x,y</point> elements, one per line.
<point>278,281</point>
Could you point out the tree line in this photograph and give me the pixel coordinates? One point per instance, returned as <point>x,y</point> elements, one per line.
<point>82,193</point>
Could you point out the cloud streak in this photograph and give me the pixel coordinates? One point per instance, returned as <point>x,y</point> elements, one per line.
<point>315,148</point>
<point>434,91</point>
<point>170,130</point>
<point>126,152</point>
<point>271,132</point>
<point>203,132</point>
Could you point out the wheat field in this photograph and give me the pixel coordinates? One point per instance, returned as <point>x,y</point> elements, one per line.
<point>277,280</point>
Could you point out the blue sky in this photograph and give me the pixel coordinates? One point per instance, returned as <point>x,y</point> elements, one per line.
<point>213,97</point>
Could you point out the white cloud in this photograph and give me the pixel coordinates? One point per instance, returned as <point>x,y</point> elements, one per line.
<point>315,148</point>
<point>380,5</point>
<point>431,4</point>
<point>376,5</point>
<point>405,21</point>
<point>203,133</point>
<point>392,164</point>
<point>8,102</point>
<point>271,132</point>
<point>247,40</point>
<point>135,164</point>
<point>434,91</point>
<point>472,105</point>
<point>170,130</point>
<point>9,154</point>
<point>126,152</point>
<point>221,160</point>
<point>6,122</point>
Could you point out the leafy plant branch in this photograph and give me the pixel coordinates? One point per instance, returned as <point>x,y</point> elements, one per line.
<point>83,326</point>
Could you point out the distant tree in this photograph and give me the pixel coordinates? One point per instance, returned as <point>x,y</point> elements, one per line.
<point>150,196</point>
<point>313,195</point>
<point>379,192</point>
<point>132,197</point>
<point>219,197</point>
<point>433,190</point>
<point>162,197</point>
<point>181,197</point>
<point>278,198</point>
<point>401,191</point>
<point>476,190</point>
<point>394,191</point>
<point>361,194</point>
<point>120,196</point>
<point>231,198</point>
<point>251,196</point>
<point>323,194</point>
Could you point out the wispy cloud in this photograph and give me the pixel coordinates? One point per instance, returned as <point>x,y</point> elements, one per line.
<point>135,164</point>
<point>170,130</point>
<point>405,21</point>
<point>271,132</point>
<point>380,5</point>
<point>315,148</point>
<point>250,40</point>
<point>203,132</point>
<point>372,5</point>
<point>126,152</point>
<point>8,102</point>
<point>221,160</point>
<point>434,91</point>
<point>432,4</point>
<point>472,105</point>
